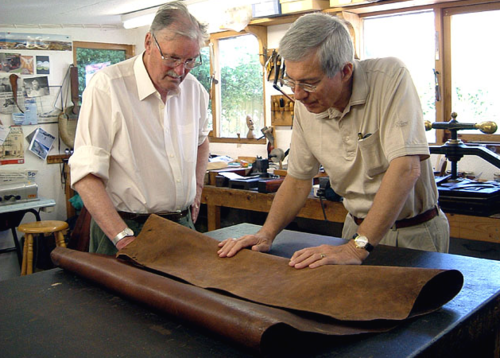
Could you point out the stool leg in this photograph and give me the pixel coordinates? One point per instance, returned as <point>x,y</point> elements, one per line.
<point>60,239</point>
<point>25,255</point>
<point>29,267</point>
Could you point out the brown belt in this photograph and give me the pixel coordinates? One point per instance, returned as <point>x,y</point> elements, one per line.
<point>141,218</point>
<point>416,220</point>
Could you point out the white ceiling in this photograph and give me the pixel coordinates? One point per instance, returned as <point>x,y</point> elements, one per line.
<point>68,13</point>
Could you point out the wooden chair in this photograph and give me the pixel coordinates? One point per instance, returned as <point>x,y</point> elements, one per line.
<point>37,228</point>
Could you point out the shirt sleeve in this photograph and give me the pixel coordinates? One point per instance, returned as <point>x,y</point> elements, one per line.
<point>204,100</point>
<point>402,125</point>
<point>94,131</point>
<point>302,164</point>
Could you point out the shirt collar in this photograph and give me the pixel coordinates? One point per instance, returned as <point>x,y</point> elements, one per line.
<point>145,86</point>
<point>358,96</point>
<point>359,86</point>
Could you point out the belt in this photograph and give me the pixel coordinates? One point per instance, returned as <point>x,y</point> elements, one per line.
<point>416,220</point>
<point>141,218</point>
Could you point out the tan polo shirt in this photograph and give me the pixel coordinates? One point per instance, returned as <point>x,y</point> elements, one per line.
<point>385,108</point>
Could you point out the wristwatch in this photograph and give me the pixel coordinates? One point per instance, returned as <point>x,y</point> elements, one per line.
<point>361,242</point>
<point>125,233</point>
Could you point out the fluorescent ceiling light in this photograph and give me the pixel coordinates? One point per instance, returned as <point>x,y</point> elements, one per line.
<point>211,11</point>
<point>139,18</point>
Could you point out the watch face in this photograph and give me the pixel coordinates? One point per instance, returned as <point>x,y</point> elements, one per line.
<point>128,231</point>
<point>361,241</point>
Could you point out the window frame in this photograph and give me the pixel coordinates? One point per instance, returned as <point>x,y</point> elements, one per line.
<point>260,32</point>
<point>442,17</point>
<point>447,94</point>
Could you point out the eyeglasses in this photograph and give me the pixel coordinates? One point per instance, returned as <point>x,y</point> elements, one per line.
<point>304,86</point>
<point>174,61</point>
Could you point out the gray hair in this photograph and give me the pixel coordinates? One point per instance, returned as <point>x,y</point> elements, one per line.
<point>325,34</point>
<point>176,16</point>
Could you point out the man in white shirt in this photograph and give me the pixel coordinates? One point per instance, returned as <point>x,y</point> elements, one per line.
<point>141,145</point>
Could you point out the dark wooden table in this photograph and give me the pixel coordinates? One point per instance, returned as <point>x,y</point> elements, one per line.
<point>57,314</point>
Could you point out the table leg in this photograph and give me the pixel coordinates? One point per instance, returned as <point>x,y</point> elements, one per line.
<point>29,261</point>
<point>25,256</point>
<point>213,217</point>
<point>60,239</point>
<point>18,246</point>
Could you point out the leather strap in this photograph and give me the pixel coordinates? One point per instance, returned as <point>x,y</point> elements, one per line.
<point>416,220</point>
<point>141,218</point>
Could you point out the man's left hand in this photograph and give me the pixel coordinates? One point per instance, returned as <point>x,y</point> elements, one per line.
<point>312,257</point>
<point>195,209</point>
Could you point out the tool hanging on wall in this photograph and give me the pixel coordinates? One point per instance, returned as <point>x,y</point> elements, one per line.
<point>69,116</point>
<point>13,83</point>
<point>270,64</point>
<point>279,73</point>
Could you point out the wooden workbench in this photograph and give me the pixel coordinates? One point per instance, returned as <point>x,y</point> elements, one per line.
<point>461,226</point>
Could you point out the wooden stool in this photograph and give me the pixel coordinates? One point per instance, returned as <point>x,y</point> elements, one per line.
<point>39,227</point>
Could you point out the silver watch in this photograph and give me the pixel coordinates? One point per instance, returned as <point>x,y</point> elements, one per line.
<point>125,233</point>
<point>361,242</point>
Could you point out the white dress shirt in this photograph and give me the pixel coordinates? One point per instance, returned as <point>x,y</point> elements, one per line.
<point>145,151</point>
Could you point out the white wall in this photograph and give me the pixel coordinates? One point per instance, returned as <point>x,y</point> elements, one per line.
<point>49,176</point>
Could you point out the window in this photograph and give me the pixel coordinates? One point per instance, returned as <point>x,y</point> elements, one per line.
<point>474,91</point>
<point>90,57</point>
<point>202,73</point>
<point>452,39</point>
<point>236,84</point>
<point>415,48</point>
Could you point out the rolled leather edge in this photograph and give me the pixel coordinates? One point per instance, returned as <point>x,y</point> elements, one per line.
<point>436,292</point>
<point>202,307</point>
<point>256,326</point>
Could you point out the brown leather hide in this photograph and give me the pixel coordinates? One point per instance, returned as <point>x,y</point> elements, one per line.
<point>275,298</point>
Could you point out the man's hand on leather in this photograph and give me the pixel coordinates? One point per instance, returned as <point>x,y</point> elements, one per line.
<point>312,257</point>
<point>258,242</point>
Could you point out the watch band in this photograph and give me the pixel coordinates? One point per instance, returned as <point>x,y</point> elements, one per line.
<point>121,235</point>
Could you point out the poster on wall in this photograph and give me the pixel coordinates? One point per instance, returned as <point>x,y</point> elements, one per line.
<point>17,63</point>
<point>22,41</point>
<point>12,150</point>
<point>41,143</point>
<point>27,65</point>
<point>7,103</point>
<point>42,65</point>
<point>10,62</point>
<point>36,86</point>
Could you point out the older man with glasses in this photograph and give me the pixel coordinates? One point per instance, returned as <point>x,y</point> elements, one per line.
<point>141,144</point>
<point>361,120</point>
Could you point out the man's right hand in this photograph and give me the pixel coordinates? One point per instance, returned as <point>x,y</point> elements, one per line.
<point>258,242</point>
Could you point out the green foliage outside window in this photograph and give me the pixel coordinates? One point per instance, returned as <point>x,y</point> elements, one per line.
<point>241,84</point>
<point>202,73</point>
<point>86,58</point>
<point>242,95</point>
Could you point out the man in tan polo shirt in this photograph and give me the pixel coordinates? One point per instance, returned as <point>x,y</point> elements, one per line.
<point>361,120</point>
